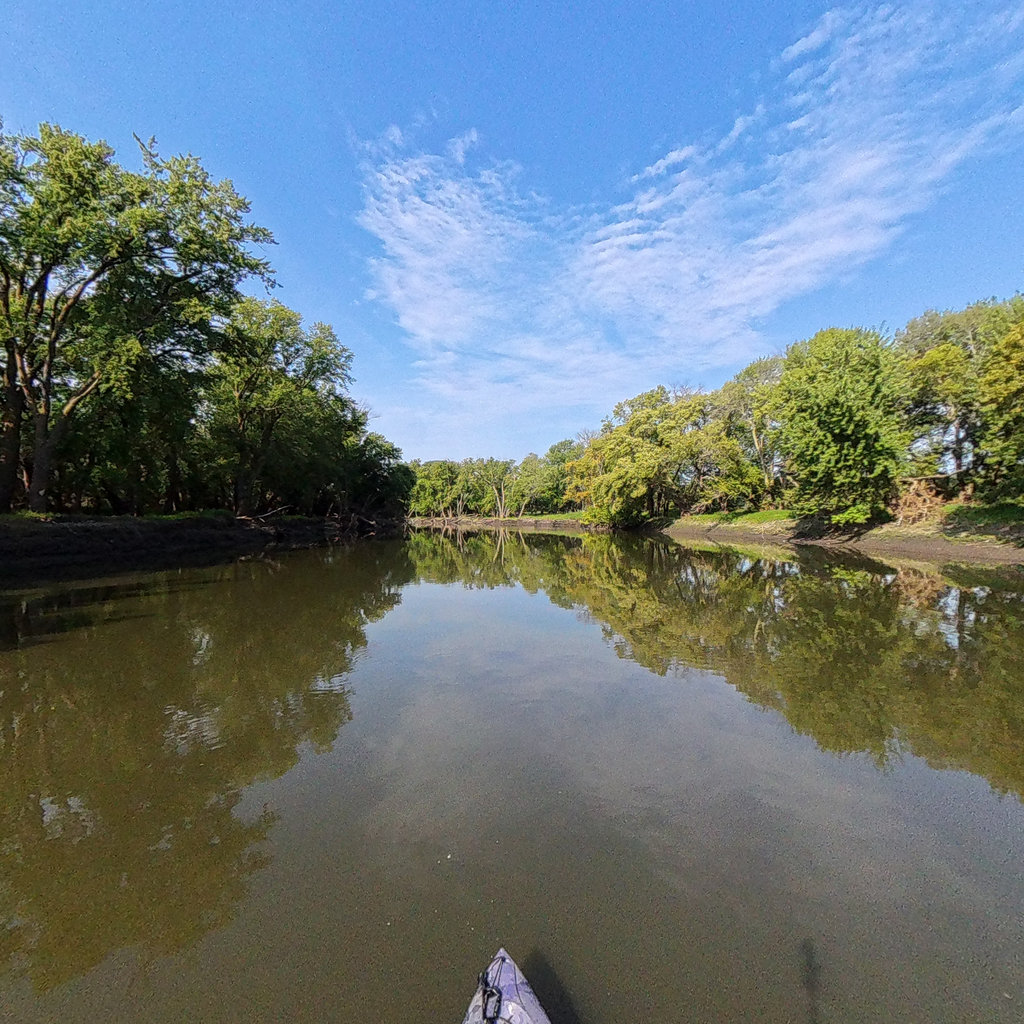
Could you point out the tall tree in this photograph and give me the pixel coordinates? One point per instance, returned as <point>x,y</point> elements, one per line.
<point>272,367</point>
<point>745,402</point>
<point>99,264</point>
<point>944,352</point>
<point>1002,414</point>
<point>839,404</point>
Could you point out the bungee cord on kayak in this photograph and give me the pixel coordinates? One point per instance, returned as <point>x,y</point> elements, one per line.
<point>504,996</point>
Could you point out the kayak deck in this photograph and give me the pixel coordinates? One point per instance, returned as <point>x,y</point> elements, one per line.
<point>504,996</point>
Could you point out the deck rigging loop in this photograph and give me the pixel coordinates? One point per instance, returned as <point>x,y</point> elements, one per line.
<point>490,1004</point>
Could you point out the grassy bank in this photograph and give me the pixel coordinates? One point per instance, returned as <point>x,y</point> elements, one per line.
<point>955,533</point>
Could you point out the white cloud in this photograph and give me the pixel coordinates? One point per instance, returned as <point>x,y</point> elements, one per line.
<point>511,305</point>
<point>457,148</point>
<point>815,39</point>
<point>669,160</point>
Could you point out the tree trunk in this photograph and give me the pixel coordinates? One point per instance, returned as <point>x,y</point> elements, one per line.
<point>959,437</point>
<point>116,502</point>
<point>10,446</point>
<point>172,495</point>
<point>245,484</point>
<point>46,440</point>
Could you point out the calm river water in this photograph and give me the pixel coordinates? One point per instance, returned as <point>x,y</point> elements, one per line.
<point>676,785</point>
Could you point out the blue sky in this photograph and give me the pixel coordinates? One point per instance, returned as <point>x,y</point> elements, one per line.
<point>517,214</point>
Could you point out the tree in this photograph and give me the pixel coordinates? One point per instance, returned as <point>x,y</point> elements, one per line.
<point>745,402</point>
<point>433,493</point>
<point>133,448</point>
<point>627,473</point>
<point>838,401</point>
<point>99,265</point>
<point>943,353</point>
<point>552,496</point>
<point>496,479</point>
<point>273,369</point>
<point>1002,413</point>
<point>375,475</point>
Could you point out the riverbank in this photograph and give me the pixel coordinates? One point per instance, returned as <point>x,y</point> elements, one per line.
<point>67,547</point>
<point>940,540</point>
<point>558,524</point>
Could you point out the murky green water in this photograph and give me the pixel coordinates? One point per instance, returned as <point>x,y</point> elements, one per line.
<point>678,786</point>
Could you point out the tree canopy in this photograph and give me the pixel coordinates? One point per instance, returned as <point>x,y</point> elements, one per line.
<point>137,375</point>
<point>835,429</point>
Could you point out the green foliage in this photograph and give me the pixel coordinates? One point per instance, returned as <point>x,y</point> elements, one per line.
<point>135,375</point>
<point>273,389</point>
<point>838,402</point>
<point>944,354</point>
<point>1002,413</point>
<point>830,430</point>
<point>99,267</point>
<point>494,487</point>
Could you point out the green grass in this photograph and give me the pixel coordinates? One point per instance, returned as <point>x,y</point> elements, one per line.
<point>24,516</point>
<point>1001,513</point>
<point>553,516</point>
<point>171,517</point>
<point>765,515</point>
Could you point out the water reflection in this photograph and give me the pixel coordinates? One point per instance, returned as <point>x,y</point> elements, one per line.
<point>860,656</point>
<point>131,718</point>
<point>648,847</point>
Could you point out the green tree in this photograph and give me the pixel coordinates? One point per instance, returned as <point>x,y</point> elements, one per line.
<point>552,497</point>
<point>272,369</point>
<point>944,353</point>
<point>495,479</point>
<point>133,449</point>
<point>628,474</point>
<point>746,403</point>
<point>530,478</point>
<point>838,402</point>
<point>1002,414</point>
<point>434,492</point>
<point>99,265</point>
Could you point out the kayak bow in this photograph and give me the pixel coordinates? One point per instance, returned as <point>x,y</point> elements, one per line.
<point>503,996</point>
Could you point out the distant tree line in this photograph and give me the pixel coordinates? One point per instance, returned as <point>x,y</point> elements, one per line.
<point>838,428</point>
<point>841,428</point>
<point>502,488</point>
<point>137,377</point>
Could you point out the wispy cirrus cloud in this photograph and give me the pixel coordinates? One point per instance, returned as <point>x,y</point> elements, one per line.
<point>510,304</point>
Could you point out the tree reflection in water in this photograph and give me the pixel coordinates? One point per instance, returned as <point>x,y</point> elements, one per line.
<point>132,717</point>
<point>858,655</point>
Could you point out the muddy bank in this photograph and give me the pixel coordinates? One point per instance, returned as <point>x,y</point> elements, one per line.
<point>916,544</point>
<point>912,544</point>
<point>37,551</point>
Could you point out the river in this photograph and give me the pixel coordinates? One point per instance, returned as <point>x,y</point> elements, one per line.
<point>678,785</point>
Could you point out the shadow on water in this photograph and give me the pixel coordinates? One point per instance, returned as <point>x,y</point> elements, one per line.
<point>553,995</point>
<point>811,974</point>
<point>37,617</point>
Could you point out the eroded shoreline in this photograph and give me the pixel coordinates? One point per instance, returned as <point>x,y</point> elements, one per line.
<point>64,548</point>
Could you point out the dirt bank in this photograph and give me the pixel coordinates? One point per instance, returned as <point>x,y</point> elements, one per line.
<point>68,547</point>
<point>926,543</point>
